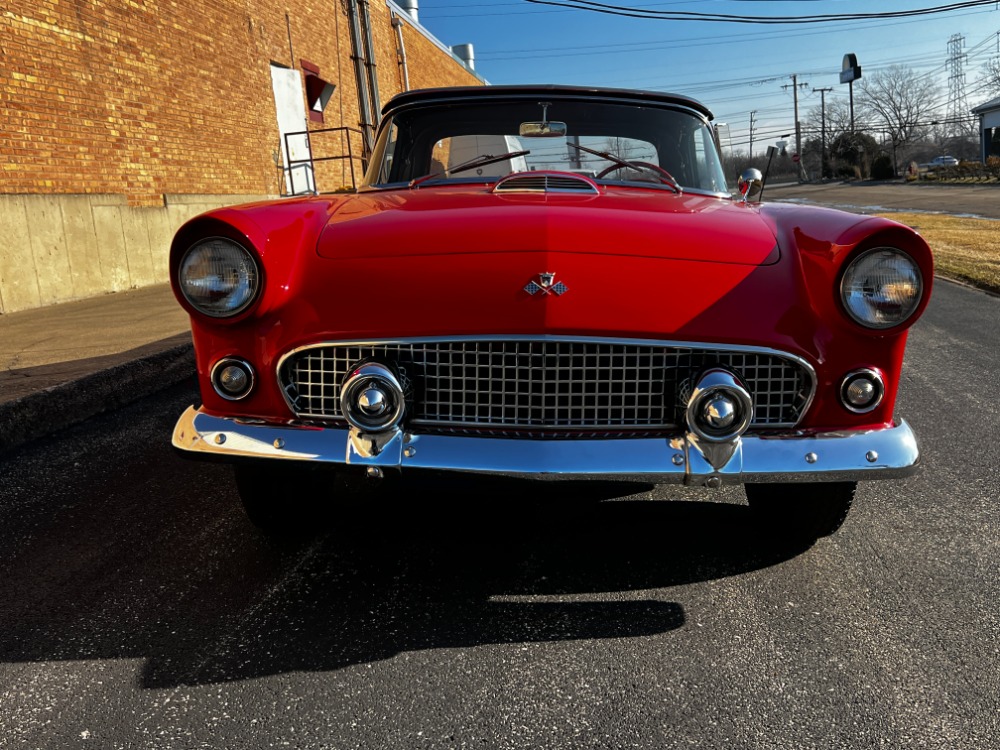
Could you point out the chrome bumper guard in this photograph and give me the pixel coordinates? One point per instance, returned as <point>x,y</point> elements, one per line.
<point>834,456</point>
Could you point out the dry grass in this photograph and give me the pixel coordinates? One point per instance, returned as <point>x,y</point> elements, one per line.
<point>964,249</point>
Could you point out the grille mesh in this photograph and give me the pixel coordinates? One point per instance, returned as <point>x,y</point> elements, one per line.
<point>545,183</point>
<point>532,385</point>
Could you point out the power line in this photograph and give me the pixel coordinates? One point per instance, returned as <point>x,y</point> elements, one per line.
<point>680,15</point>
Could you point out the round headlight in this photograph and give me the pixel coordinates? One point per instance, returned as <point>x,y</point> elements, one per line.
<point>881,288</point>
<point>219,277</point>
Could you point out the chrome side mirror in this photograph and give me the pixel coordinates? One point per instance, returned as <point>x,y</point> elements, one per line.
<point>751,182</point>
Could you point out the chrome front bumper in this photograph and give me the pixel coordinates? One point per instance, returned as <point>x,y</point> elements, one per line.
<point>834,456</point>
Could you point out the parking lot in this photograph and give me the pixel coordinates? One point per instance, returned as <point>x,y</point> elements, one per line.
<point>874,197</point>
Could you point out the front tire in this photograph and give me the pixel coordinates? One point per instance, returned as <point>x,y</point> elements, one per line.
<point>294,501</point>
<point>800,512</point>
<point>281,502</point>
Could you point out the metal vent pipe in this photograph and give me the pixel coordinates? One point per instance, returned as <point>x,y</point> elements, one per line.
<point>464,53</point>
<point>410,6</point>
<point>397,24</point>
<point>374,100</point>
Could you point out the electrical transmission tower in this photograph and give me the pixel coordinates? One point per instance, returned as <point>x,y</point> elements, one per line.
<point>959,122</point>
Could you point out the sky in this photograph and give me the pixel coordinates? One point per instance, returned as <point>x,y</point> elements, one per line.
<point>741,71</point>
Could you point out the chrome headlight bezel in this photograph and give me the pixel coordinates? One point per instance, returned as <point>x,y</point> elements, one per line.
<point>881,288</point>
<point>219,277</point>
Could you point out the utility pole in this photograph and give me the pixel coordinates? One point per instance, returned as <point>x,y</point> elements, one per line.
<point>798,127</point>
<point>753,114</point>
<point>822,138</point>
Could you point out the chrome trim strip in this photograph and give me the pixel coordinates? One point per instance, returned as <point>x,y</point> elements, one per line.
<point>834,456</point>
<point>569,339</point>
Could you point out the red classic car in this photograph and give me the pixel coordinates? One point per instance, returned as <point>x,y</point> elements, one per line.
<point>551,282</point>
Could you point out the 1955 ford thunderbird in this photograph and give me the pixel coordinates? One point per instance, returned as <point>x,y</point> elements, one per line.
<point>551,282</point>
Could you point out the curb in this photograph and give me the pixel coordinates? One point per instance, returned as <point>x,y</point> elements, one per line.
<point>39,414</point>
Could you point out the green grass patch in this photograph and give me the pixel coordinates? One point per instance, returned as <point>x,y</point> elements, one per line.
<point>967,250</point>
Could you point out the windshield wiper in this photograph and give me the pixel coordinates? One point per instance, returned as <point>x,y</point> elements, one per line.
<point>480,161</point>
<point>659,172</point>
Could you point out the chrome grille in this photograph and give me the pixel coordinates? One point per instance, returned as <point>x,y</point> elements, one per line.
<point>509,385</point>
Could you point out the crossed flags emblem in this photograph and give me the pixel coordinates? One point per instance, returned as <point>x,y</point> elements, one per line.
<point>546,284</point>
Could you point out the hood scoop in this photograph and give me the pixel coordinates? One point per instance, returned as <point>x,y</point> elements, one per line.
<point>546,182</point>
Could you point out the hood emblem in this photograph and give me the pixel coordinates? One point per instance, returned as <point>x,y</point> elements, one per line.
<point>546,284</point>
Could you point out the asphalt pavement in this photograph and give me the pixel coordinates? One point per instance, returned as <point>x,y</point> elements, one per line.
<point>64,363</point>
<point>975,201</point>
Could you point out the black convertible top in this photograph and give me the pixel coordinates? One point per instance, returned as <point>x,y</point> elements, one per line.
<point>452,93</point>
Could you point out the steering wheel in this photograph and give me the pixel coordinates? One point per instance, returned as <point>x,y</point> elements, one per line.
<point>664,175</point>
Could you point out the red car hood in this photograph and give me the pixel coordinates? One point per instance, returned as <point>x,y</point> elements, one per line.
<point>463,261</point>
<point>619,222</point>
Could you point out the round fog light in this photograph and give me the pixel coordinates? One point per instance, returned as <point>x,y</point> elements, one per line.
<point>232,378</point>
<point>861,391</point>
<point>720,408</point>
<point>719,412</point>
<point>371,397</point>
<point>373,402</point>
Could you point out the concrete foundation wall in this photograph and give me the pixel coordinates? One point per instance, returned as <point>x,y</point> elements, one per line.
<point>120,120</point>
<point>58,248</point>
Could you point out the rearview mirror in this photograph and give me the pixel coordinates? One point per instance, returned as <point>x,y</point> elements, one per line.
<point>542,129</point>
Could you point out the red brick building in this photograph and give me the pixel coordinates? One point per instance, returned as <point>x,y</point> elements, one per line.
<point>123,118</point>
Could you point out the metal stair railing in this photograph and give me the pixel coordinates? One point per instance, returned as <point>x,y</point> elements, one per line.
<point>311,160</point>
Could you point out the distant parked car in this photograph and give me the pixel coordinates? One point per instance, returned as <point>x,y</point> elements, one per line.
<point>585,298</point>
<point>944,161</point>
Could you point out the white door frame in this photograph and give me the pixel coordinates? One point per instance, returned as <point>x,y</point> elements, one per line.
<point>290,105</point>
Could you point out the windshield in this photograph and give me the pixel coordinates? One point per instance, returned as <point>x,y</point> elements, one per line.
<point>443,139</point>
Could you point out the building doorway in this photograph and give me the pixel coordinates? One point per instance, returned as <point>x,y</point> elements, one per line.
<point>289,103</point>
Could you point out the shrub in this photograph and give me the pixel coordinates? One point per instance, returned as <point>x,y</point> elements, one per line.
<point>882,168</point>
<point>993,166</point>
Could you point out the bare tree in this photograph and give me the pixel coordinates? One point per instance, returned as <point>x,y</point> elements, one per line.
<point>831,121</point>
<point>838,117</point>
<point>893,101</point>
<point>990,78</point>
<point>620,147</point>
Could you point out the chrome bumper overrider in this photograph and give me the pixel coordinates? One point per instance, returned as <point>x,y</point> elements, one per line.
<point>834,456</point>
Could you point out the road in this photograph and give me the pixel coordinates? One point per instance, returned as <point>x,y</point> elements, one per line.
<point>141,610</point>
<point>982,201</point>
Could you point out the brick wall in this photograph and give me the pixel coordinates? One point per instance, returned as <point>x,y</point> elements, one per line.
<point>149,98</point>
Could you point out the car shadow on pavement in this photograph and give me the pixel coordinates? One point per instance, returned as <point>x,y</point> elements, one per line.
<point>117,548</point>
<point>475,564</point>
